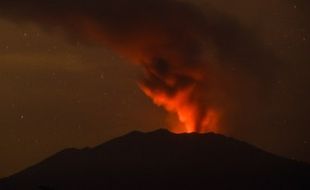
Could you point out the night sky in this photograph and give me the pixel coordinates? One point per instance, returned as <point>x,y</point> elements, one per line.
<point>59,91</point>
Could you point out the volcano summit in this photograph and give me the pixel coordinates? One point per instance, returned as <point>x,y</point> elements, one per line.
<point>163,160</point>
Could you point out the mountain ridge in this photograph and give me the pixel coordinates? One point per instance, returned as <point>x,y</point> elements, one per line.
<point>164,159</point>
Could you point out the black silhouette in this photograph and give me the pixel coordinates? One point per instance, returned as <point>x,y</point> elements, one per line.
<point>42,187</point>
<point>163,160</point>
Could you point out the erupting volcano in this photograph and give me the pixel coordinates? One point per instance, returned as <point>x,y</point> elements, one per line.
<point>74,72</point>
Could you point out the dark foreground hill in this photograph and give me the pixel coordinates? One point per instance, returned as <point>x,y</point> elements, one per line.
<point>163,160</point>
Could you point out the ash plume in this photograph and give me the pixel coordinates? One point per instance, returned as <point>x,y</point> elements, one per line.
<point>202,66</point>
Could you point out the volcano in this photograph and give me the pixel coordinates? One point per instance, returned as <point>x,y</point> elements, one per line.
<point>163,160</point>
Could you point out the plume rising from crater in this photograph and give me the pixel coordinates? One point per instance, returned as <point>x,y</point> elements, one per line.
<point>196,65</point>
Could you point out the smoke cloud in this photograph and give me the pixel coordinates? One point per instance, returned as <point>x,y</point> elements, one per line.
<point>202,66</point>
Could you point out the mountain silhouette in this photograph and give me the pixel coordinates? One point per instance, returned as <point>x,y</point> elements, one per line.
<point>163,160</point>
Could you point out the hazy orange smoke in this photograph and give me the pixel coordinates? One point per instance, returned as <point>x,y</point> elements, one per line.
<point>170,79</point>
<point>187,112</point>
<point>193,63</point>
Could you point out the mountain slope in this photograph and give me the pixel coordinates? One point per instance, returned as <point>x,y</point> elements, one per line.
<point>163,160</point>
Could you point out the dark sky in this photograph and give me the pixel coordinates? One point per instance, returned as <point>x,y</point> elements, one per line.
<point>59,93</point>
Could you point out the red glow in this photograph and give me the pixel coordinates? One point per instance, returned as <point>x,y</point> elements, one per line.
<point>186,111</point>
<point>191,116</point>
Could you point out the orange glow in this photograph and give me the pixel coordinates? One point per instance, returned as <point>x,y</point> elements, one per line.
<point>187,112</point>
<point>140,49</point>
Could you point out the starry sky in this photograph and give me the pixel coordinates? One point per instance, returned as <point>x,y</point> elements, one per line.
<point>58,93</point>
